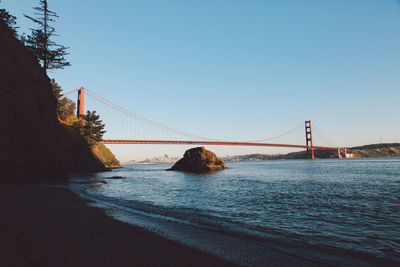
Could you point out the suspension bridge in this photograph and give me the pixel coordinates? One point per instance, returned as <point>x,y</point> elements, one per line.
<point>136,129</point>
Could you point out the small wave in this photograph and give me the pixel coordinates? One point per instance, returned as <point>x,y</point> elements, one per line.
<point>143,213</point>
<point>340,208</point>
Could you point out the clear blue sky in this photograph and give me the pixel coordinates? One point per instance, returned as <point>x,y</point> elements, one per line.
<point>237,69</point>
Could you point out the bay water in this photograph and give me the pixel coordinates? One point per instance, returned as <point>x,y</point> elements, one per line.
<point>328,211</point>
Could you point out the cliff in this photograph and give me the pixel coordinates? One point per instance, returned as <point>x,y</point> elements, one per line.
<point>98,149</point>
<point>198,160</point>
<point>105,156</point>
<point>34,146</point>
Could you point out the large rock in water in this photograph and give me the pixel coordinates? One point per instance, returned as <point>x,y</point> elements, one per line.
<point>198,160</point>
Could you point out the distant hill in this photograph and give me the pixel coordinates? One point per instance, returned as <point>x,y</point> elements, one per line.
<point>377,150</point>
<point>373,150</point>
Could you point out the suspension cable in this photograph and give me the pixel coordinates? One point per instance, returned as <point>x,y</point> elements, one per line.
<point>70,92</point>
<point>141,118</point>
<point>277,136</point>
<point>321,134</point>
<point>155,124</point>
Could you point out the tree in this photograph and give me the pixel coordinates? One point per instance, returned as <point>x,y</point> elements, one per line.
<point>50,54</point>
<point>70,106</point>
<point>93,128</point>
<point>65,106</point>
<point>60,100</point>
<point>56,89</point>
<point>77,125</point>
<point>9,20</point>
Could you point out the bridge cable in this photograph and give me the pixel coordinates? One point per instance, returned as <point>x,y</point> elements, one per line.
<point>323,137</point>
<point>280,135</point>
<point>320,133</point>
<point>70,92</point>
<point>141,118</point>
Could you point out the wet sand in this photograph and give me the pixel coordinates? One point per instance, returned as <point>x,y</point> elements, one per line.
<point>47,226</point>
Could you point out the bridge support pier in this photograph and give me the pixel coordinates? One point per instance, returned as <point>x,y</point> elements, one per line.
<point>342,152</point>
<point>80,111</point>
<point>309,142</point>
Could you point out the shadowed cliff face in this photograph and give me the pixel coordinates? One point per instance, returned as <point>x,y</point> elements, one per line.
<point>198,160</point>
<point>34,146</point>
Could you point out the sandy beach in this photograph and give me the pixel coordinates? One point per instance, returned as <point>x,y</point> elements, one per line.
<point>49,226</point>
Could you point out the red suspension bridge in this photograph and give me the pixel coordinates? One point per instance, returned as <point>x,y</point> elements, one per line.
<point>142,129</point>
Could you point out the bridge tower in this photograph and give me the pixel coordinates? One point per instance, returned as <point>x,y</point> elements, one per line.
<point>80,111</point>
<point>309,143</point>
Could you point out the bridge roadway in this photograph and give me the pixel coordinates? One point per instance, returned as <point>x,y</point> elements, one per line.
<point>211,143</point>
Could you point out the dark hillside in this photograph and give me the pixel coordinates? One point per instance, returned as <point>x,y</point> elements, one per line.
<point>34,146</point>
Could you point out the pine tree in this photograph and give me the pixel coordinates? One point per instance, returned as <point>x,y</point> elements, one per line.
<point>60,100</point>
<point>9,20</point>
<point>50,54</point>
<point>65,106</point>
<point>93,128</point>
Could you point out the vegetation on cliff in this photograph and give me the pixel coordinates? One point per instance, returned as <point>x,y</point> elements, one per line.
<point>74,126</point>
<point>9,21</point>
<point>65,106</point>
<point>105,155</point>
<point>92,129</point>
<point>34,146</point>
<point>50,54</point>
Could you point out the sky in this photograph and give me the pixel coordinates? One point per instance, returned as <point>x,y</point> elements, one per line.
<point>236,70</point>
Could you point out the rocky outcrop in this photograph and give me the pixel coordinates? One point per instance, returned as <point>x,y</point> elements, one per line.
<point>105,156</point>
<point>34,146</point>
<point>198,160</point>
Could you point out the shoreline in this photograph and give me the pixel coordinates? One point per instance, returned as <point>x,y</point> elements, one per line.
<point>51,226</point>
<point>239,249</point>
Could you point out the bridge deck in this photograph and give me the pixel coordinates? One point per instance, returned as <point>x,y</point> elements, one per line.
<point>218,143</point>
